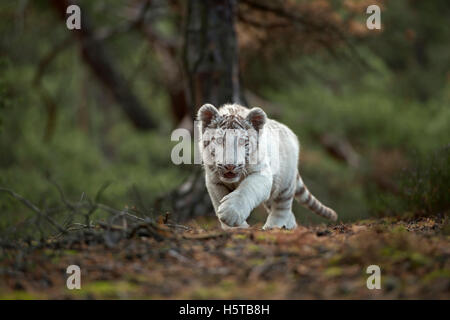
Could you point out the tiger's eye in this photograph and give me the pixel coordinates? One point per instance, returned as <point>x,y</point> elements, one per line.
<point>219,140</point>
<point>241,141</point>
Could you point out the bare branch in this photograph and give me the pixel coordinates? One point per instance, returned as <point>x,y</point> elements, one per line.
<point>33,207</point>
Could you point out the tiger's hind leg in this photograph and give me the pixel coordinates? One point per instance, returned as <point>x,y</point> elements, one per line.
<point>280,211</point>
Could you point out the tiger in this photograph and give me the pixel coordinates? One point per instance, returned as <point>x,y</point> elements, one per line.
<point>237,181</point>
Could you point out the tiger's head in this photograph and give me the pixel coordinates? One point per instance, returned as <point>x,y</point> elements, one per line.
<point>229,139</point>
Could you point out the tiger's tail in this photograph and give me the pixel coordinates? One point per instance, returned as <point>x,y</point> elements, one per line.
<point>306,199</point>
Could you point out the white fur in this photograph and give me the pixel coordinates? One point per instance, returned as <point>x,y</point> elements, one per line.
<point>263,182</point>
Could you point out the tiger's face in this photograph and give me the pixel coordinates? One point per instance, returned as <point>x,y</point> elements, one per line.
<point>228,152</point>
<point>230,141</point>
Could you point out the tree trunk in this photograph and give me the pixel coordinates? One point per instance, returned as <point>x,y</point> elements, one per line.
<point>212,76</point>
<point>211,53</point>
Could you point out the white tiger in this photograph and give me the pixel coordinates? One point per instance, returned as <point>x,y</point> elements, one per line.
<point>237,185</point>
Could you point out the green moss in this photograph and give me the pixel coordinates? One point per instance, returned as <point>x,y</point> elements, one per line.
<point>256,261</point>
<point>240,236</point>
<point>396,255</point>
<point>335,260</point>
<point>265,237</point>
<point>70,252</point>
<point>20,295</point>
<point>399,229</point>
<point>105,289</point>
<point>333,272</point>
<point>207,293</point>
<point>436,274</point>
<point>253,247</point>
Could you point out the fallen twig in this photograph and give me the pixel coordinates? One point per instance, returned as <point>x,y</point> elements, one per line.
<point>206,236</point>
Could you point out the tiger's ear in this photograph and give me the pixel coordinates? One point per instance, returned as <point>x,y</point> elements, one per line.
<point>206,114</point>
<point>257,117</point>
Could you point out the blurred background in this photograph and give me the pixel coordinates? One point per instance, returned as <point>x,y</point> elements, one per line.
<point>90,108</point>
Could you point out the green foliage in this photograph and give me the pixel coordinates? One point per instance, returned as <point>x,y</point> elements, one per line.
<point>86,141</point>
<point>415,46</point>
<point>361,108</point>
<point>425,187</point>
<point>5,101</point>
<point>79,156</point>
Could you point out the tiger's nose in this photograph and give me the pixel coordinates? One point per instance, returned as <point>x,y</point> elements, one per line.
<point>229,167</point>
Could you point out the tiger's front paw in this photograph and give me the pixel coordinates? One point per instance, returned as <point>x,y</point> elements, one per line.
<point>232,211</point>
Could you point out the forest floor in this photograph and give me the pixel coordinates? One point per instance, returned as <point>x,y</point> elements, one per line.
<point>320,262</point>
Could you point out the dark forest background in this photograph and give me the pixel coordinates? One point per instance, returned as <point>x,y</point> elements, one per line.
<point>83,111</point>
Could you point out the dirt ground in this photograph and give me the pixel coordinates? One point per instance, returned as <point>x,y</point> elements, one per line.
<point>322,262</point>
